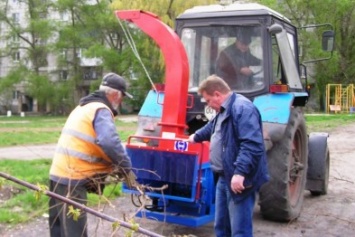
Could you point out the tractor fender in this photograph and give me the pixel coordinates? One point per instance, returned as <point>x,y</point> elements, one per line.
<point>318,163</point>
<point>275,110</point>
<point>272,133</point>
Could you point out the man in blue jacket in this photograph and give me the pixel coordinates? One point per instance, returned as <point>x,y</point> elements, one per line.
<point>237,156</point>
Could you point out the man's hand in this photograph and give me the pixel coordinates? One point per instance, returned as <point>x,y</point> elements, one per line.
<point>246,71</point>
<point>237,183</point>
<point>191,138</point>
<point>129,178</point>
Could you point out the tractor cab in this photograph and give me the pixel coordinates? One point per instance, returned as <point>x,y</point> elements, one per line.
<point>241,43</point>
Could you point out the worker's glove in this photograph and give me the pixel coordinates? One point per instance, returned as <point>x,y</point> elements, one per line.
<point>96,184</point>
<point>131,180</point>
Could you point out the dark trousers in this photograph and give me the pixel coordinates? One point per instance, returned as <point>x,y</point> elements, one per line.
<point>62,224</point>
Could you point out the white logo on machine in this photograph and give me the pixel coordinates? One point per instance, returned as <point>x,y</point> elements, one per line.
<point>181,146</point>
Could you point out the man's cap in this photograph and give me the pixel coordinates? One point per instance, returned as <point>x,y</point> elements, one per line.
<point>244,36</point>
<point>116,82</point>
<point>245,39</point>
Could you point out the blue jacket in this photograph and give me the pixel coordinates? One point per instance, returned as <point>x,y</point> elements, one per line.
<point>243,150</point>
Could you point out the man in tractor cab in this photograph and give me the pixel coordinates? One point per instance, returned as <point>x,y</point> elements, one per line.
<point>235,63</point>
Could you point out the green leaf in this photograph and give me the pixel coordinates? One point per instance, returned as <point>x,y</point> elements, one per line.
<point>74,212</point>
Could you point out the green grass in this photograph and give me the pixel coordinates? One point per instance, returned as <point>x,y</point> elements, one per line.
<point>28,138</point>
<point>24,205</point>
<point>110,191</point>
<point>327,122</point>
<point>17,131</point>
<point>44,130</point>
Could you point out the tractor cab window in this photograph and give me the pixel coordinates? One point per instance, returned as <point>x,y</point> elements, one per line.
<point>232,52</point>
<point>284,59</point>
<point>278,75</point>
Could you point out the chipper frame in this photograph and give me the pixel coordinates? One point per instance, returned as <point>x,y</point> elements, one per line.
<point>172,161</point>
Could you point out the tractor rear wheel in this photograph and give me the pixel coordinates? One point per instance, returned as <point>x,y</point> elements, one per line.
<point>282,197</point>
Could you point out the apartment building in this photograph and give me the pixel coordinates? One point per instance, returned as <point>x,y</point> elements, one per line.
<point>15,52</point>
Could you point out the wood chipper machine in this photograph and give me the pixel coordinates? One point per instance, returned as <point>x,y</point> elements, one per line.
<point>179,174</point>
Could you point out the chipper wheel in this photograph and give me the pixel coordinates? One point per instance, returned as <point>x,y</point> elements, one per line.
<point>282,197</point>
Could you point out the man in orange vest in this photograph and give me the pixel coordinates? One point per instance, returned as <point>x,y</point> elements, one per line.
<point>88,148</point>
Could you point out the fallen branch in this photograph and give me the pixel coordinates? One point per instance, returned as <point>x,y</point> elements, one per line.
<point>80,206</point>
<point>346,180</point>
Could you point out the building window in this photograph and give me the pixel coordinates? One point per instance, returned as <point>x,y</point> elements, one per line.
<point>39,41</point>
<point>16,18</point>
<point>64,54</point>
<point>15,95</point>
<point>16,56</point>
<point>42,15</point>
<point>64,16</point>
<point>78,53</point>
<point>90,73</point>
<point>15,38</point>
<point>63,75</point>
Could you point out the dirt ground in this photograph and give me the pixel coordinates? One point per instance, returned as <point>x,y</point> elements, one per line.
<point>324,216</point>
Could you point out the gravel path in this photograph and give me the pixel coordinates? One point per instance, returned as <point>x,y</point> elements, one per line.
<point>27,152</point>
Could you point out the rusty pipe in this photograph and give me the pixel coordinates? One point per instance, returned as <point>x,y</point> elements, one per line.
<point>80,206</point>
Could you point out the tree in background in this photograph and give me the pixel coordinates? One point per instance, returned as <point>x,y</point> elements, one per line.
<point>71,39</point>
<point>106,41</point>
<point>92,30</point>
<point>26,44</point>
<point>150,54</point>
<point>341,15</point>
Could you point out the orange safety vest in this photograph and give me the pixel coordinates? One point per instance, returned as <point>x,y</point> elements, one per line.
<point>77,156</point>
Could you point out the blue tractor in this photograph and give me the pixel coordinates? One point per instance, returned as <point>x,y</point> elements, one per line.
<point>277,86</point>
